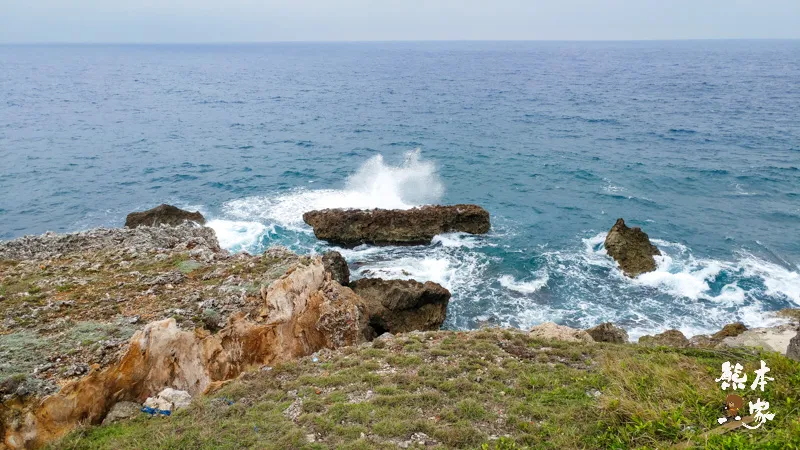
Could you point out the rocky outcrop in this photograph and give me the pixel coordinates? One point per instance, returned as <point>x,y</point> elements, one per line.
<point>552,331</point>
<point>301,312</point>
<point>772,339</point>
<point>351,227</point>
<point>669,338</point>
<point>336,265</point>
<point>793,350</point>
<point>163,215</point>
<point>631,249</point>
<point>729,330</point>
<point>399,306</point>
<point>608,332</point>
<point>122,411</point>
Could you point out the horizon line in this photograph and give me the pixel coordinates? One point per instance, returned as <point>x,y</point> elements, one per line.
<point>380,41</point>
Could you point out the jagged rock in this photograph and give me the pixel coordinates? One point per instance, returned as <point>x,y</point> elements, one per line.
<point>163,215</point>
<point>731,329</point>
<point>703,341</point>
<point>169,400</point>
<point>134,240</point>
<point>399,306</point>
<point>773,339</point>
<point>302,312</point>
<point>122,411</point>
<point>608,332</point>
<point>793,350</point>
<point>552,331</point>
<point>669,338</point>
<point>631,248</point>
<point>336,265</point>
<point>351,227</point>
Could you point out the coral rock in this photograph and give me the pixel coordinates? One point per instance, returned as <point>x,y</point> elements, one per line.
<point>631,249</point>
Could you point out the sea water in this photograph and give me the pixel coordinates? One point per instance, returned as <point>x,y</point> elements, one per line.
<point>697,142</point>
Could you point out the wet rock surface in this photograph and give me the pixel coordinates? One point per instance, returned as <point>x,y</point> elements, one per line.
<point>352,227</point>
<point>163,215</point>
<point>399,306</point>
<point>631,249</point>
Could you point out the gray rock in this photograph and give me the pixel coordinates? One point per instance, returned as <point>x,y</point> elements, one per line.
<point>793,350</point>
<point>336,265</point>
<point>122,411</point>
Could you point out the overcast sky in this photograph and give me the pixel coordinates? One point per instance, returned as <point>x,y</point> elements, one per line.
<point>368,20</point>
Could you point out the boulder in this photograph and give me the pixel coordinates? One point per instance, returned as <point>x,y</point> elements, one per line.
<point>122,411</point>
<point>608,332</point>
<point>731,329</point>
<point>400,306</point>
<point>163,214</point>
<point>772,339</point>
<point>336,265</point>
<point>300,313</point>
<point>352,227</point>
<point>669,338</point>
<point>552,331</point>
<point>793,350</point>
<point>169,400</point>
<point>631,249</point>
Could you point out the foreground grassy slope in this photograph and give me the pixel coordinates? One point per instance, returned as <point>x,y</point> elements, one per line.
<point>487,388</point>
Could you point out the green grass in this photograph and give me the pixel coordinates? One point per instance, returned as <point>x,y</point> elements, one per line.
<point>491,389</point>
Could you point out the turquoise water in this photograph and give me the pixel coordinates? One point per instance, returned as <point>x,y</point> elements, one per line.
<point>698,142</point>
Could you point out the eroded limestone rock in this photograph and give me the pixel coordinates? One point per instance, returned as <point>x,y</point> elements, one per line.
<point>400,306</point>
<point>351,227</point>
<point>631,249</point>
<point>163,215</point>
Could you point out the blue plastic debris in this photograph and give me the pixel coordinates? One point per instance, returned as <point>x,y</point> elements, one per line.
<point>155,411</point>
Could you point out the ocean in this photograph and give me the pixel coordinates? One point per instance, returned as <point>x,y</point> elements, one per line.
<point>697,142</point>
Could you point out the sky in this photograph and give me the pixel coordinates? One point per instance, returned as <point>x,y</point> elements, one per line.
<point>194,21</point>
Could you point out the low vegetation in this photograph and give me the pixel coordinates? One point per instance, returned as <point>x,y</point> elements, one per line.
<point>490,389</point>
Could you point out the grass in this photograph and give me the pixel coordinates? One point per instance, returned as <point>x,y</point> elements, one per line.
<point>491,389</point>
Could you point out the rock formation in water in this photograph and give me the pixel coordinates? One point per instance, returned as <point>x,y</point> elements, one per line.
<point>163,215</point>
<point>352,227</point>
<point>631,248</point>
<point>398,306</point>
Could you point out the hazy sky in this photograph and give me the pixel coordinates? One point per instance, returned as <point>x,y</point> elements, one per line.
<point>359,20</point>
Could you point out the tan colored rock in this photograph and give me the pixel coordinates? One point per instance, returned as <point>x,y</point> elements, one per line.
<point>669,338</point>
<point>169,400</point>
<point>608,332</point>
<point>792,314</point>
<point>304,311</point>
<point>552,331</point>
<point>773,339</point>
<point>631,249</point>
